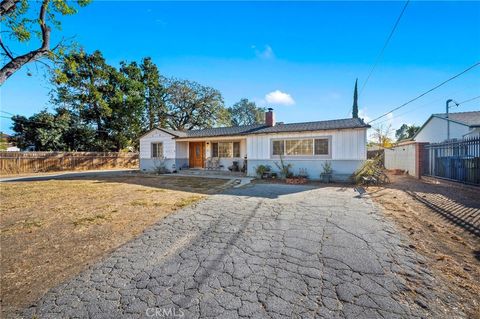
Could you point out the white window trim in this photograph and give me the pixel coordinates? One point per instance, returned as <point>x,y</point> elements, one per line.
<point>151,150</point>
<point>313,156</point>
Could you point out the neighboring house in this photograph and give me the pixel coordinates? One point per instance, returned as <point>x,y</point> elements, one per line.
<point>12,149</point>
<point>304,145</point>
<point>463,124</point>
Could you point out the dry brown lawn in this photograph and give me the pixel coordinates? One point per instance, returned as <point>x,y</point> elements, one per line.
<point>440,219</point>
<point>51,230</point>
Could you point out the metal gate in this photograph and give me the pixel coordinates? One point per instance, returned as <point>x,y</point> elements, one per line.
<point>457,160</point>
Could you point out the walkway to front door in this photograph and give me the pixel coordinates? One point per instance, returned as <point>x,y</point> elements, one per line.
<point>196,154</point>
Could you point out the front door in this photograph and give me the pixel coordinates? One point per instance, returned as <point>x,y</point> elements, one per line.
<point>196,154</point>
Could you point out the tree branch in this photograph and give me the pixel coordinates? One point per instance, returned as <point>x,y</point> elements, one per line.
<point>7,52</point>
<point>17,62</point>
<point>6,6</point>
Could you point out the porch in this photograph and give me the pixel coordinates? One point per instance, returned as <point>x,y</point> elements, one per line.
<point>212,156</point>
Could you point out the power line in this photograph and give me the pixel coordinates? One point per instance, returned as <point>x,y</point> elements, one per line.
<point>377,60</point>
<point>469,100</point>
<point>426,92</point>
<point>423,105</point>
<point>7,112</point>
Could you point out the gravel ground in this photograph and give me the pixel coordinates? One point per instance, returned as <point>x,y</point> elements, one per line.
<point>262,251</point>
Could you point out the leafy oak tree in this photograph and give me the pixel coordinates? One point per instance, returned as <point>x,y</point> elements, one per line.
<point>22,20</point>
<point>245,112</point>
<point>191,105</point>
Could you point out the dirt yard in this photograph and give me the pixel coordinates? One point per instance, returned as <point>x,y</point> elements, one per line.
<point>51,230</point>
<point>442,220</point>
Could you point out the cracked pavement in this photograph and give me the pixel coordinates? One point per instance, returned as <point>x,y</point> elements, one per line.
<point>263,251</point>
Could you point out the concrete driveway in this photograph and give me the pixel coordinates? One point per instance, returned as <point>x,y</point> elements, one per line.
<point>263,251</point>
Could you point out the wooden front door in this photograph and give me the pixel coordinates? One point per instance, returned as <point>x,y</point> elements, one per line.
<point>196,154</point>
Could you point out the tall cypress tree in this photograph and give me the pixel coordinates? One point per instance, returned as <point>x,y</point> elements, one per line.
<point>355,102</point>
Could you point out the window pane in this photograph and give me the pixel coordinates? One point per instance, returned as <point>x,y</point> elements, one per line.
<point>278,148</point>
<point>321,146</point>
<point>299,147</point>
<point>157,150</point>
<point>214,149</point>
<point>225,149</point>
<point>236,149</point>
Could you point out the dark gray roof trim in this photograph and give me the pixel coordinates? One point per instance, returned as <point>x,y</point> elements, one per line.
<point>351,123</point>
<point>471,119</point>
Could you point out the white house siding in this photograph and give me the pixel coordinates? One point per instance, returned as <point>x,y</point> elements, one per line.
<point>348,151</point>
<point>435,131</point>
<point>224,161</point>
<point>181,148</point>
<point>169,150</point>
<point>402,157</point>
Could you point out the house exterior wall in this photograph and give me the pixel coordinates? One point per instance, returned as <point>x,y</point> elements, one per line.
<point>224,161</point>
<point>169,151</point>
<point>402,157</point>
<point>348,151</point>
<point>435,131</point>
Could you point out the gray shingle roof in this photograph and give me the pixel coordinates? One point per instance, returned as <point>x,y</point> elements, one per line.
<point>467,118</point>
<point>340,124</point>
<point>350,123</point>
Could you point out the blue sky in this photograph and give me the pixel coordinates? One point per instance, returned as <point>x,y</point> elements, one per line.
<point>300,58</point>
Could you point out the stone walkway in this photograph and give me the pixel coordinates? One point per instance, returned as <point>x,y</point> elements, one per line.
<point>262,251</point>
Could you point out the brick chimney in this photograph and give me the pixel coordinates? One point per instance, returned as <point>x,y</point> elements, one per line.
<point>270,117</point>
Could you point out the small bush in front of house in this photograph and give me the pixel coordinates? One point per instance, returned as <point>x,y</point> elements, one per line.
<point>160,167</point>
<point>263,171</point>
<point>327,173</point>
<point>285,169</point>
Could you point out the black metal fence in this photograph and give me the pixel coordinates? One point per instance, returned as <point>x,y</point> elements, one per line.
<point>457,160</point>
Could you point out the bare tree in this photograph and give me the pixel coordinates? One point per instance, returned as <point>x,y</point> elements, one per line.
<point>15,14</point>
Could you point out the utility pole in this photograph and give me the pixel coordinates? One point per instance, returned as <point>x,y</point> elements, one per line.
<point>448,121</point>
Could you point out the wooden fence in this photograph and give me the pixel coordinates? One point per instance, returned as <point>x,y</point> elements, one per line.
<point>34,162</point>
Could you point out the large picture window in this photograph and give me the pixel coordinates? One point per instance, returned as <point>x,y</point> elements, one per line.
<point>226,149</point>
<point>301,147</point>
<point>157,150</point>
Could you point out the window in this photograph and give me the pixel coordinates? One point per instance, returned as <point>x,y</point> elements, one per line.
<point>236,149</point>
<point>225,149</point>
<point>299,147</point>
<point>157,150</point>
<point>214,149</point>
<point>278,147</point>
<point>321,146</point>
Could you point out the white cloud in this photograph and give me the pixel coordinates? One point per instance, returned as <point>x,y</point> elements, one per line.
<point>363,115</point>
<point>280,98</point>
<point>266,53</point>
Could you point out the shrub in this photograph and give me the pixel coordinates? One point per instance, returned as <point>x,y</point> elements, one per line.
<point>160,167</point>
<point>285,169</point>
<point>327,168</point>
<point>261,170</point>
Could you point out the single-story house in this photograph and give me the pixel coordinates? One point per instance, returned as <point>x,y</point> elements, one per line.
<point>306,146</point>
<point>462,124</point>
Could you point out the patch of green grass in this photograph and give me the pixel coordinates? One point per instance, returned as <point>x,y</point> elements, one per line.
<point>31,223</point>
<point>139,202</point>
<point>187,201</point>
<point>87,220</point>
<point>149,191</point>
